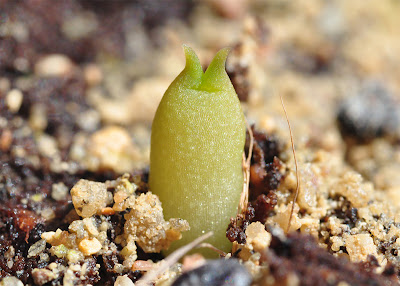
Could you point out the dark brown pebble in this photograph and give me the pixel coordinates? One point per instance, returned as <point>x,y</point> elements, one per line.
<point>372,112</point>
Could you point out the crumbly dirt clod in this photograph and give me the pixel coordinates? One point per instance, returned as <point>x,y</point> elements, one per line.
<point>140,224</point>
<point>146,223</point>
<point>89,198</point>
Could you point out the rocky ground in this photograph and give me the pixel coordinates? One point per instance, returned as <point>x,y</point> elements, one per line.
<point>79,85</point>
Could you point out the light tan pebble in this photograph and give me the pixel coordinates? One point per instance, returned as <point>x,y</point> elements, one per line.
<point>142,265</point>
<point>112,148</point>
<point>351,186</point>
<point>88,197</point>
<point>74,256</point>
<point>11,281</point>
<point>53,65</point>
<point>118,268</point>
<point>5,84</point>
<point>53,266</point>
<point>129,251</point>
<point>42,276</point>
<point>337,242</point>
<point>79,25</point>
<point>123,281</point>
<point>48,236</point>
<point>76,267</point>
<point>47,145</point>
<point>309,187</point>
<point>78,228</point>
<point>144,98</point>
<point>89,120</point>
<point>104,225</point>
<point>310,226</point>
<point>146,223</point>
<point>140,105</point>
<point>257,237</point>
<point>393,232</point>
<point>377,208</point>
<point>70,278</point>
<point>89,246</point>
<point>93,74</point>
<point>5,140</point>
<point>90,226</point>
<point>120,196</point>
<point>359,246</point>
<point>268,123</point>
<point>59,191</point>
<point>121,206</point>
<point>14,100</point>
<point>335,226</point>
<point>48,213</point>
<point>11,252</point>
<point>365,213</point>
<point>21,64</point>
<point>230,9</point>
<point>282,217</point>
<point>111,111</point>
<point>107,211</point>
<point>393,194</point>
<point>38,117</point>
<point>331,141</point>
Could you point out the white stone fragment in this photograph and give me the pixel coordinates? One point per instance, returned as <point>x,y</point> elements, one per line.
<point>53,65</point>
<point>123,281</point>
<point>11,281</point>
<point>14,100</point>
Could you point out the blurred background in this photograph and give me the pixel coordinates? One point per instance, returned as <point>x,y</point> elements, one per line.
<point>87,76</point>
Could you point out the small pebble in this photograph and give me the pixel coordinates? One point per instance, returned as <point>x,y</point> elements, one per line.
<point>42,276</point>
<point>93,74</point>
<point>59,191</point>
<point>123,281</point>
<point>53,65</point>
<point>90,246</point>
<point>37,248</point>
<point>5,84</point>
<point>14,100</point>
<point>11,281</point>
<point>5,140</point>
<point>89,197</point>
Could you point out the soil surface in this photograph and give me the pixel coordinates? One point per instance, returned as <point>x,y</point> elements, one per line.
<point>80,82</point>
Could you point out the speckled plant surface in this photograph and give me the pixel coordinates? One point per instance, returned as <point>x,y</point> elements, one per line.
<point>198,136</point>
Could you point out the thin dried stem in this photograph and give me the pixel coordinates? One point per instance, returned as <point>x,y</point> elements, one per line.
<point>212,247</point>
<point>244,197</point>
<point>296,166</point>
<point>150,276</point>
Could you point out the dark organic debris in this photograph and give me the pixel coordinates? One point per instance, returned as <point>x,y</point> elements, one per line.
<point>219,272</point>
<point>265,177</point>
<point>265,167</point>
<point>298,257</point>
<point>238,74</point>
<point>371,113</point>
